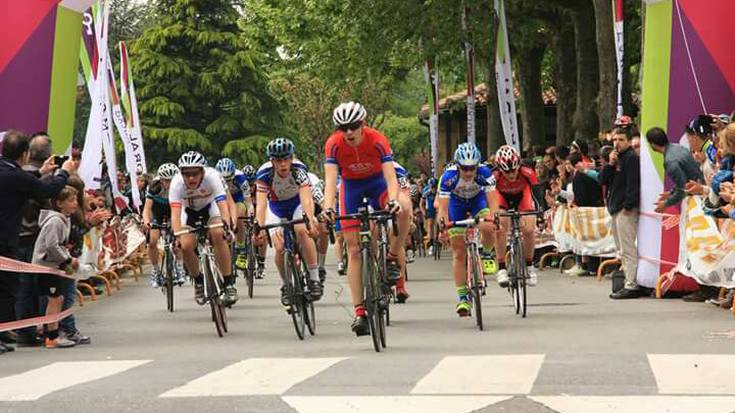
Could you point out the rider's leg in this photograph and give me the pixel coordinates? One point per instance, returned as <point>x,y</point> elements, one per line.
<point>308,249</point>
<point>459,270</point>
<point>501,238</point>
<point>528,229</point>
<point>277,241</point>
<point>153,247</point>
<point>322,245</point>
<point>191,262</point>
<point>404,223</point>
<point>354,267</point>
<point>222,253</point>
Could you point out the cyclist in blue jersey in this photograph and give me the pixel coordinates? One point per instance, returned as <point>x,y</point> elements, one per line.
<point>465,191</point>
<point>250,174</point>
<point>427,208</point>
<point>239,188</point>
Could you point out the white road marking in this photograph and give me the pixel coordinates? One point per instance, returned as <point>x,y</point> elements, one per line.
<point>694,373</point>
<point>507,374</point>
<point>34,384</point>
<point>260,376</point>
<point>391,404</point>
<point>637,404</point>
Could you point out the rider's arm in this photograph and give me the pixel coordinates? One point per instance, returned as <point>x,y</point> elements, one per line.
<point>261,199</point>
<point>442,212</point>
<point>224,209</point>
<point>176,199</point>
<point>330,185</point>
<point>389,172</point>
<point>148,211</point>
<point>307,202</point>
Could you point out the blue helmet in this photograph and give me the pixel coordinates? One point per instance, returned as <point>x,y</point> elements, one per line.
<point>432,182</point>
<point>280,148</point>
<point>226,167</point>
<point>467,154</point>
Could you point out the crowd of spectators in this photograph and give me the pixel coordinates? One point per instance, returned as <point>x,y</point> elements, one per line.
<point>606,173</point>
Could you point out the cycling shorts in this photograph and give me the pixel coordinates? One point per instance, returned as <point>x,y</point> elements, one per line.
<point>289,209</point>
<point>521,202</point>
<point>338,224</point>
<point>460,209</point>
<point>430,213</point>
<point>206,215</point>
<point>375,189</point>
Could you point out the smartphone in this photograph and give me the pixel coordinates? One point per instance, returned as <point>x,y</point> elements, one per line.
<point>60,159</point>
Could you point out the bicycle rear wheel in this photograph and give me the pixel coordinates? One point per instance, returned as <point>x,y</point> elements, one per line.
<point>250,271</point>
<point>476,288</point>
<point>371,299</point>
<point>169,268</point>
<point>522,277</point>
<point>211,290</point>
<point>296,296</point>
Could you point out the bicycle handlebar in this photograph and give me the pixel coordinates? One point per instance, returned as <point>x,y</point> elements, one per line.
<point>371,216</point>
<point>198,229</point>
<point>281,224</point>
<point>512,213</point>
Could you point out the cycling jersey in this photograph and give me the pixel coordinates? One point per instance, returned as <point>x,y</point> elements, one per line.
<point>516,194</point>
<point>429,197</point>
<point>317,191</point>
<point>283,192</point>
<point>402,175</point>
<point>451,184</point>
<point>209,191</point>
<point>360,162</point>
<point>156,192</point>
<point>239,187</point>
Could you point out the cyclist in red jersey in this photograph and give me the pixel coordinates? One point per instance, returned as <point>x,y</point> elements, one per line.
<point>514,187</point>
<point>364,159</point>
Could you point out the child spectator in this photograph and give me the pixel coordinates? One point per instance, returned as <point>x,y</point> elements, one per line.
<point>50,251</point>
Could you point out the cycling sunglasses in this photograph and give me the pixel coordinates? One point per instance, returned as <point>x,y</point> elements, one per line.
<point>189,174</point>
<point>280,158</point>
<point>468,168</point>
<point>350,126</point>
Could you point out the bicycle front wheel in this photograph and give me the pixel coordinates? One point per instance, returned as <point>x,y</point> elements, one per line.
<point>295,292</point>
<point>250,271</point>
<point>371,299</point>
<point>213,294</point>
<point>476,287</point>
<point>169,267</point>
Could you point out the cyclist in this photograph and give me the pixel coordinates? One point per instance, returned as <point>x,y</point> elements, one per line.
<point>322,239</point>
<point>196,195</point>
<point>239,188</point>
<point>428,210</point>
<point>284,193</point>
<point>339,241</point>
<point>363,157</point>
<point>249,171</point>
<point>514,189</point>
<point>404,199</point>
<point>465,190</point>
<point>155,211</point>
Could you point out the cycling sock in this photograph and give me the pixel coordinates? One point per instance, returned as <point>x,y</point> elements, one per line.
<point>314,272</point>
<point>52,334</point>
<point>360,310</point>
<point>321,258</point>
<point>501,265</point>
<point>229,279</point>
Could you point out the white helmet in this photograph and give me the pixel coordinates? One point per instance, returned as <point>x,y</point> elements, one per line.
<point>467,154</point>
<point>167,170</point>
<point>192,159</point>
<point>347,113</point>
<point>507,158</point>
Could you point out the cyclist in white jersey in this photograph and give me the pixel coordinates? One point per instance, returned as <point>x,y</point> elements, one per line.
<point>322,239</point>
<point>198,195</point>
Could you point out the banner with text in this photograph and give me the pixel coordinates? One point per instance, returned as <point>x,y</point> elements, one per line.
<point>584,231</point>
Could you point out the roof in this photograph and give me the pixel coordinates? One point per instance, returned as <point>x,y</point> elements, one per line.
<point>549,98</point>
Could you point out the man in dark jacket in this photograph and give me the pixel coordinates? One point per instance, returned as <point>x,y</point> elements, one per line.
<point>679,165</point>
<point>622,179</point>
<point>17,187</point>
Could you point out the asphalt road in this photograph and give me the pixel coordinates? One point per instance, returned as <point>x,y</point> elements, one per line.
<point>577,351</point>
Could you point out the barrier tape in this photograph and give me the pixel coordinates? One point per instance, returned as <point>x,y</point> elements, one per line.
<point>35,321</point>
<point>11,265</point>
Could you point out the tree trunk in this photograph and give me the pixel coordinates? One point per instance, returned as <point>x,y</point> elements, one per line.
<point>585,115</point>
<point>565,77</point>
<point>528,68</point>
<point>495,135</point>
<point>607,96</point>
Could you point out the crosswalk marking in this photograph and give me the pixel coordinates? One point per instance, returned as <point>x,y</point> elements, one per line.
<point>694,373</point>
<point>391,404</point>
<point>260,376</point>
<point>511,374</point>
<point>637,404</point>
<point>34,384</point>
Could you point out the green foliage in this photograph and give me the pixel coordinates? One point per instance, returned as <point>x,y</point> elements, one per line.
<point>408,138</point>
<point>200,83</point>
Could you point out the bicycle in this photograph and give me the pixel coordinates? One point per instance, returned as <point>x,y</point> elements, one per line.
<point>213,283</point>
<point>475,276</point>
<point>436,243</point>
<point>376,289</point>
<point>517,270</point>
<point>251,270</point>
<point>166,266</point>
<point>295,274</point>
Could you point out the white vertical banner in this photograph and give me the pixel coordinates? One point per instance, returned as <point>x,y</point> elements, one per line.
<point>469,54</point>
<point>504,79</point>
<point>130,104</point>
<point>117,116</point>
<point>619,49</point>
<point>431,75</point>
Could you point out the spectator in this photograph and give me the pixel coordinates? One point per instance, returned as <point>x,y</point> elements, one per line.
<point>679,165</point>
<point>28,302</point>
<point>635,143</point>
<point>622,179</point>
<point>19,186</point>
<point>50,251</point>
<point>699,134</point>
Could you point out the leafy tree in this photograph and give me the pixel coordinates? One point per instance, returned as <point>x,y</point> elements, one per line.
<point>200,83</point>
